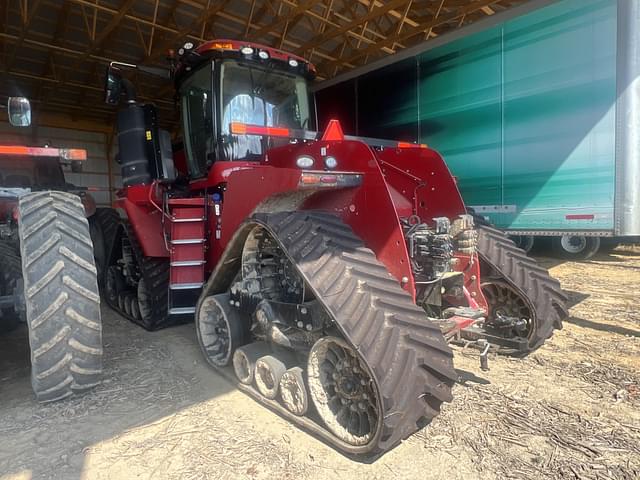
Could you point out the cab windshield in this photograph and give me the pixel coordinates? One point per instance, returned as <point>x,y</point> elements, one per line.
<point>262,96</point>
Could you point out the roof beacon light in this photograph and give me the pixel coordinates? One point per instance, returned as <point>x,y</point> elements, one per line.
<point>293,63</point>
<point>263,54</point>
<point>246,50</point>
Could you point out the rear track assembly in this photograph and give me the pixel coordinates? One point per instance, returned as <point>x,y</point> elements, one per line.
<point>380,371</point>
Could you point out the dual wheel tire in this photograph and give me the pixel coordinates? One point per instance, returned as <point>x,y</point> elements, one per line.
<point>575,247</point>
<point>61,295</point>
<point>569,247</point>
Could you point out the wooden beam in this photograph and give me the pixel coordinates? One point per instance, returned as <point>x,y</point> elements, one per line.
<point>377,12</point>
<point>171,42</point>
<point>424,26</point>
<point>300,9</point>
<point>29,16</point>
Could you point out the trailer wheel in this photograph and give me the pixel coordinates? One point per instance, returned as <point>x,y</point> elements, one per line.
<point>61,292</point>
<point>523,242</point>
<point>575,247</point>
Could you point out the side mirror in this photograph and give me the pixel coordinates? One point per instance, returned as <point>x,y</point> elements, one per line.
<point>19,110</point>
<point>112,86</point>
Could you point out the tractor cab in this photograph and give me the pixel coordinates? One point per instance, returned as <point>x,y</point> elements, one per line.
<point>221,86</point>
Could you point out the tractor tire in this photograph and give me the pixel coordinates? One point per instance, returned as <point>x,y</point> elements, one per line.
<point>61,292</point>
<point>103,225</point>
<point>575,247</point>
<point>505,264</point>
<point>10,283</point>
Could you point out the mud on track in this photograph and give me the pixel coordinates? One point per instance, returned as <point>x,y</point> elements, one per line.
<point>572,410</point>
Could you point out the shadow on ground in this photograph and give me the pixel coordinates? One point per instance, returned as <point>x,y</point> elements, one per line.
<point>147,376</point>
<point>603,327</point>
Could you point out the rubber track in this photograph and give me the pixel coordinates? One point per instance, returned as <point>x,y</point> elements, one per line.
<point>11,270</point>
<point>107,220</point>
<point>500,254</point>
<point>155,272</point>
<point>408,356</point>
<point>61,290</point>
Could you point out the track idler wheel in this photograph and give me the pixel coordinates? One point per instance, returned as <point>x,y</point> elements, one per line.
<point>245,358</point>
<point>220,329</point>
<point>342,391</point>
<point>293,391</point>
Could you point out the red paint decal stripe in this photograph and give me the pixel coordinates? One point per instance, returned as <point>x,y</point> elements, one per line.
<point>580,217</point>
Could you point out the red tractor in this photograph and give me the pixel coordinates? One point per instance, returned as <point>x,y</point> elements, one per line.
<point>328,272</point>
<point>48,277</point>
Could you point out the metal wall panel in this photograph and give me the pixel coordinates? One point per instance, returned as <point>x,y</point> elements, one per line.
<point>95,168</point>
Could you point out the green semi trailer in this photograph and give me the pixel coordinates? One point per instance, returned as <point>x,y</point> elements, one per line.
<point>536,111</point>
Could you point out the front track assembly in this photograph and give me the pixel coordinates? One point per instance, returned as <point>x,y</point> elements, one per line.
<point>526,304</point>
<point>362,367</point>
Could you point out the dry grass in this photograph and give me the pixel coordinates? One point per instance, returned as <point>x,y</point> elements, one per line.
<point>571,410</point>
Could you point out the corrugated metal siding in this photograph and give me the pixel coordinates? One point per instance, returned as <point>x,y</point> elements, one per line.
<point>95,171</point>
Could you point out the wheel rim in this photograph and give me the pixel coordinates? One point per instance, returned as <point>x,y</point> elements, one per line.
<point>573,243</point>
<point>524,242</point>
<point>242,367</point>
<point>214,329</point>
<point>343,391</point>
<point>505,301</point>
<point>293,391</point>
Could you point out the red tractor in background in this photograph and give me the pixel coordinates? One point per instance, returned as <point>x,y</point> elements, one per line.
<point>48,277</point>
<point>329,271</point>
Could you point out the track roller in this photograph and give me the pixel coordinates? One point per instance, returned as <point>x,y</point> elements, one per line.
<point>293,391</point>
<point>245,358</point>
<point>269,371</point>
<point>342,390</point>
<point>220,329</point>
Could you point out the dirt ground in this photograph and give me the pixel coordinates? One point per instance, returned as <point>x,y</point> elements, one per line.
<point>571,410</point>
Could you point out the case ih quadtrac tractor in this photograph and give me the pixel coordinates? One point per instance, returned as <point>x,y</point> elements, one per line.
<point>48,277</point>
<point>327,272</point>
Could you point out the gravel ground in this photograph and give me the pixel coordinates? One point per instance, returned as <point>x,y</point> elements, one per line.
<point>571,410</point>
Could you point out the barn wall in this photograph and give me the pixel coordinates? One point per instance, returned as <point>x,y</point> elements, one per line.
<point>95,172</point>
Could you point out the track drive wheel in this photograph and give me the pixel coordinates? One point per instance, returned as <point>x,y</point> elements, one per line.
<point>61,291</point>
<point>516,286</point>
<point>343,391</point>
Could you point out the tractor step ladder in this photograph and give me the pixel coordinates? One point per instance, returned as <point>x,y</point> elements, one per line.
<point>187,257</point>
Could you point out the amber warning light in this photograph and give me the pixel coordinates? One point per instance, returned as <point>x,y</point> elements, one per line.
<point>63,153</point>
